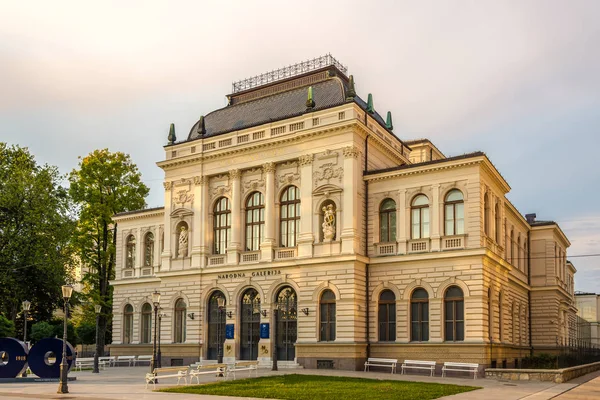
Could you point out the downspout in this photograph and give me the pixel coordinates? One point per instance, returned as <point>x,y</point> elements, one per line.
<point>529,291</point>
<point>366,211</point>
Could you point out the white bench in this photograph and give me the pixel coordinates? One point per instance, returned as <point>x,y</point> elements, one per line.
<point>418,364</point>
<point>125,359</point>
<point>108,360</point>
<point>168,372</point>
<point>381,362</point>
<point>142,359</point>
<point>218,369</point>
<point>88,362</point>
<point>461,367</point>
<point>243,366</point>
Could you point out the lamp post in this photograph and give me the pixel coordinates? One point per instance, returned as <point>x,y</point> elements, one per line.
<point>275,314</point>
<point>67,291</point>
<point>97,309</point>
<point>26,306</point>
<point>158,353</point>
<point>221,304</point>
<point>156,302</point>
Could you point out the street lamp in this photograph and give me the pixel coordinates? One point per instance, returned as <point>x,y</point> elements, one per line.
<point>97,309</point>
<point>221,307</point>
<point>275,312</point>
<point>156,302</point>
<point>67,291</point>
<point>158,353</point>
<point>26,306</point>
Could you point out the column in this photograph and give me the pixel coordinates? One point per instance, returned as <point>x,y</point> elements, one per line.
<point>196,228</point>
<point>233,249</point>
<point>204,222</point>
<point>266,247</point>
<point>306,237</point>
<point>350,240</point>
<point>401,221</point>
<point>435,218</point>
<point>166,254</point>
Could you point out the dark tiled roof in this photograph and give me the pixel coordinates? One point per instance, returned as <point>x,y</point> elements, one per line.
<point>279,106</point>
<point>443,160</point>
<point>138,211</point>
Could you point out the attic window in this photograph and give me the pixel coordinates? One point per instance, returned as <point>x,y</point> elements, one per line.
<point>315,122</point>
<point>174,153</point>
<point>342,115</point>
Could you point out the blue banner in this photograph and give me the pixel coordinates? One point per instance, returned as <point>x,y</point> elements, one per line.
<point>264,331</point>
<point>229,331</point>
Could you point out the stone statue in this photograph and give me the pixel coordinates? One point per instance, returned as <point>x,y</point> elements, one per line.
<point>328,223</point>
<point>182,250</point>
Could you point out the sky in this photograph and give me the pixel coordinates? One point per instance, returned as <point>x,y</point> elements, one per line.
<point>518,80</point>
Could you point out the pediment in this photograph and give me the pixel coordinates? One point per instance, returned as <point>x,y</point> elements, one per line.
<point>181,212</point>
<point>327,189</point>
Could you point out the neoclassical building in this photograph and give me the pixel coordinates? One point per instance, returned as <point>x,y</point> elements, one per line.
<point>296,221</point>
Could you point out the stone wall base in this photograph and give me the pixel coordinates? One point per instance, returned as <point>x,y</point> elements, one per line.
<point>547,375</point>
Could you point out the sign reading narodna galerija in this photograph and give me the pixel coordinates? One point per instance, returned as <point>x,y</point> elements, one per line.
<point>266,272</point>
<point>16,358</point>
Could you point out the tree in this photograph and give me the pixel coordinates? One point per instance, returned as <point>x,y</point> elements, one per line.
<point>59,330</point>
<point>7,327</point>
<point>36,253</point>
<point>86,333</point>
<point>104,184</point>
<point>41,330</point>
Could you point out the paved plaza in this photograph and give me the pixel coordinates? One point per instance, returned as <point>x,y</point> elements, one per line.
<point>128,383</point>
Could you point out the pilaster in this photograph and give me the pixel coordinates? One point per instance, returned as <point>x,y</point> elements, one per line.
<point>349,230</point>
<point>204,247</point>
<point>435,218</point>
<point>401,221</point>
<point>196,230</point>
<point>166,253</point>
<point>266,247</point>
<point>306,237</point>
<point>233,248</point>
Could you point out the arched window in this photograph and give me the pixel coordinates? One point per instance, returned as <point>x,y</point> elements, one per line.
<point>287,324</point>
<point>222,225</point>
<point>387,316</point>
<point>490,316</point>
<point>387,221</point>
<point>255,221</point>
<point>216,324</point>
<point>149,249</point>
<point>454,211</point>
<point>419,316</point>
<point>146,323</point>
<point>290,216</point>
<point>250,324</point>
<point>420,217</point>
<point>180,312</point>
<point>127,324</point>
<point>454,314</point>
<point>327,311</point>
<point>130,252</point>
<point>486,214</point>
<point>498,220</point>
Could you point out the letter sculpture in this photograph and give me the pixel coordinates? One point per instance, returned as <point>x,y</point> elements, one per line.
<point>16,358</point>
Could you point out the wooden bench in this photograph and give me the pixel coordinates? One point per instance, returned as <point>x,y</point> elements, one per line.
<point>461,367</point>
<point>142,359</point>
<point>125,359</point>
<point>418,364</point>
<point>89,362</point>
<point>167,372</point>
<point>218,369</point>
<point>108,360</point>
<point>243,366</point>
<point>381,362</point>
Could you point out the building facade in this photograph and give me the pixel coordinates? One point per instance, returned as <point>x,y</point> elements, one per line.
<point>296,221</point>
<point>588,306</point>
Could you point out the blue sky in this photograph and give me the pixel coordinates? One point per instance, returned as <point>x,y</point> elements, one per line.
<point>516,79</point>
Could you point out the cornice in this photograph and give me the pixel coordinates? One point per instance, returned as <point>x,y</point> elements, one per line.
<point>424,169</point>
<point>140,215</point>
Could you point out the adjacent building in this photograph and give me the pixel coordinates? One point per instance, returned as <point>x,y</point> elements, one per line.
<point>297,221</point>
<point>588,305</point>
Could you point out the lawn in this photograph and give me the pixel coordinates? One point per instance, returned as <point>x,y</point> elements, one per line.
<point>308,387</point>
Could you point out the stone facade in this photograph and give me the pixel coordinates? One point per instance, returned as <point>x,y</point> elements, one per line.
<point>516,288</point>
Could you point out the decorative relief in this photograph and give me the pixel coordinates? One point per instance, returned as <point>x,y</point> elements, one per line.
<point>351,151</point>
<point>167,185</point>
<point>306,159</point>
<point>200,180</point>
<point>288,178</point>
<point>287,173</point>
<point>219,186</point>
<point>253,185</point>
<point>221,190</point>
<point>328,172</point>
<point>183,197</point>
<point>269,167</point>
<point>234,174</point>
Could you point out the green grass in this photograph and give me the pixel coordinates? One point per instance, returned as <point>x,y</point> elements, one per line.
<point>308,387</point>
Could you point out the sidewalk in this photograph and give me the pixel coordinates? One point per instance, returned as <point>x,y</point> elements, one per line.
<point>128,383</point>
<point>589,388</point>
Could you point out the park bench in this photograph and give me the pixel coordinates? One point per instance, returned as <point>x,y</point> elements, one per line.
<point>243,366</point>
<point>218,369</point>
<point>140,359</point>
<point>418,364</point>
<point>88,362</point>
<point>167,372</point>
<point>381,362</point>
<point>461,367</point>
<point>108,360</point>
<point>125,359</point>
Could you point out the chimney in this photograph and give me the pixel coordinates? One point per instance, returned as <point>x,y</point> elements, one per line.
<point>530,218</point>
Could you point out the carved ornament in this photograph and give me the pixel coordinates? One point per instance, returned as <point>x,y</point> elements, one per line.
<point>351,151</point>
<point>305,159</point>
<point>328,172</point>
<point>167,185</point>
<point>234,173</point>
<point>269,167</point>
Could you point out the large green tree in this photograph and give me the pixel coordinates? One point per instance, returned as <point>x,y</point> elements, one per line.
<point>104,184</point>
<point>36,226</point>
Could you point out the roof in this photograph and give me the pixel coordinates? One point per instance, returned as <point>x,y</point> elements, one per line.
<point>542,223</point>
<point>138,211</point>
<point>409,166</point>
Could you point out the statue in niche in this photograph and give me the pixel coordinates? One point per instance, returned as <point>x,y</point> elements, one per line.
<point>182,249</point>
<point>328,223</point>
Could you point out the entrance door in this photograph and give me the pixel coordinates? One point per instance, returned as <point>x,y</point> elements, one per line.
<point>250,328</point>
<point>287,324</point>
<point>216,325</point>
